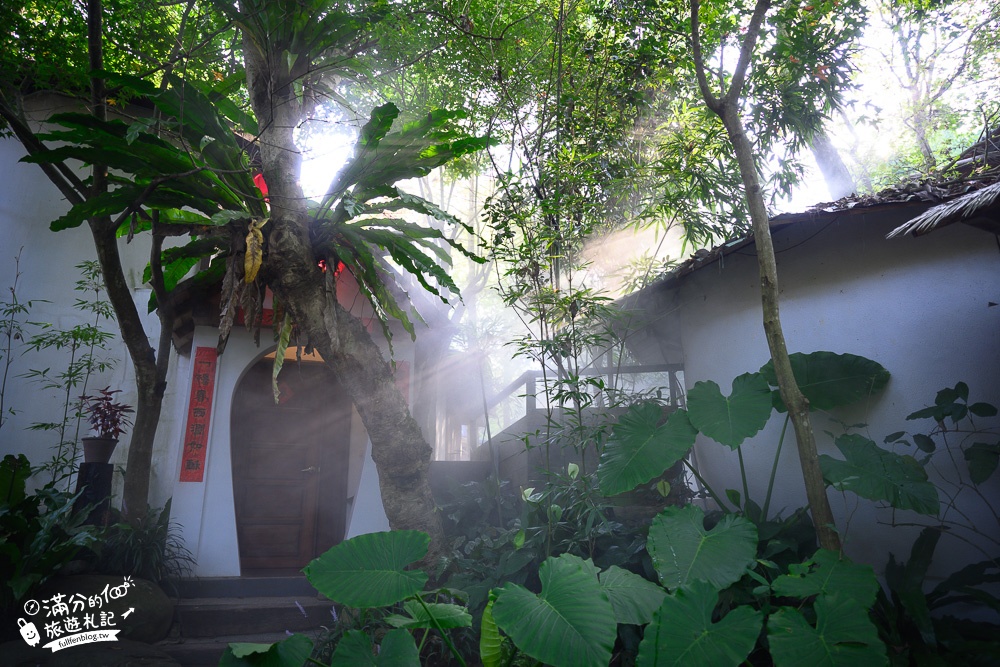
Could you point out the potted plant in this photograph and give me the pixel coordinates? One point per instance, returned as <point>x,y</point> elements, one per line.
<point>108,420</point>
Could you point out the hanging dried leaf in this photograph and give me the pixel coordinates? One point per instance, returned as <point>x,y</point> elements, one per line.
<point>279,355</point>
<point>232,290</point>
<point>252,303</point>
<point>254,256</point>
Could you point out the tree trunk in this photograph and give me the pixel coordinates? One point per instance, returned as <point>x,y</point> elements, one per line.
<point>795,401</point>
<point>150,376</point>
<point>727,108</point>
<point>400,452</point>
<point>839,181</point>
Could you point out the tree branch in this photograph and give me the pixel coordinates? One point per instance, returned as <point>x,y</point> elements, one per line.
<point>699,61</point>
<point>65,180</point>
<point>746,50</point>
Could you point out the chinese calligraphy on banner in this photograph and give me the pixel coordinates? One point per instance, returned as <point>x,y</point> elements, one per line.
<point>199,413</point>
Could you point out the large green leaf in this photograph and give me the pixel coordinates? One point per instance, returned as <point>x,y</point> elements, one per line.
<point>633,598</point>
<point>844,636</point>
<point>291,652</point>
<point>355,649</point>
<point>829,572</point>
<point>730,420</point>
<point>369,570</point>
<point>570,623</point>
<point>682,632</point>
<point>490,642</point>
<point>876,474</point>
<point>436,615</point>
<point>684,552</point>
<point>830,380</point>
<point>639,450</point>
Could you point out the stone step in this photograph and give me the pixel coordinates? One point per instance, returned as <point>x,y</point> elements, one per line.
<point>244,587</point>
<point>225,616</point>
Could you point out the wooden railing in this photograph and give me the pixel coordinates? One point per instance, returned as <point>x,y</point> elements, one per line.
<point>527,386</point>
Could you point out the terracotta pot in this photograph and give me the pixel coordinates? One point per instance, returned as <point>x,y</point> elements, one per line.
<point>98,450</point>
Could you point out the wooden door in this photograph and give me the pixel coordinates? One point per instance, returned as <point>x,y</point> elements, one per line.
<point>289,466</point>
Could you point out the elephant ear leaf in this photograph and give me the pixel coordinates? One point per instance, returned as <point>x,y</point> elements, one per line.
<point>291,652</point>
<point>844,636</point>
<point>730,419</point>
<point>571,623</point>
<point>633,598</point>
<point>683,634</point>
<point>830,380</point>
<point>370,570</point>
<point>639,450</point>
<point>684,551</point>
<point>829,572</point>
<point>355,649</point>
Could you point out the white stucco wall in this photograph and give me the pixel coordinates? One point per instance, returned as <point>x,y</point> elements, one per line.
<point>28,203</point>
<point>918,306</point>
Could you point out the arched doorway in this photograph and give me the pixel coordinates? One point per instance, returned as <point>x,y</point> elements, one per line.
<point>290,464</point>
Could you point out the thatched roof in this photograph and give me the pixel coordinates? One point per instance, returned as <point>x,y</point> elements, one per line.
<point>980,208</point>
<point>980,205</point>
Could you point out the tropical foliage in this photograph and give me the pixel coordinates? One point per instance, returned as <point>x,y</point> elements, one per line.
<point>724,588</point>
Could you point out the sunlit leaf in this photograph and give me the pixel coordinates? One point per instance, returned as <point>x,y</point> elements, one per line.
<point>490,642</point>
<point>640,450</point>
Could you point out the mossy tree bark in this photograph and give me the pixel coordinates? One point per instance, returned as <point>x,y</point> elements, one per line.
<point>401,453</point>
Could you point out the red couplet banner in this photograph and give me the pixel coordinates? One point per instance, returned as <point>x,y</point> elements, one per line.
<point>199,413</point>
